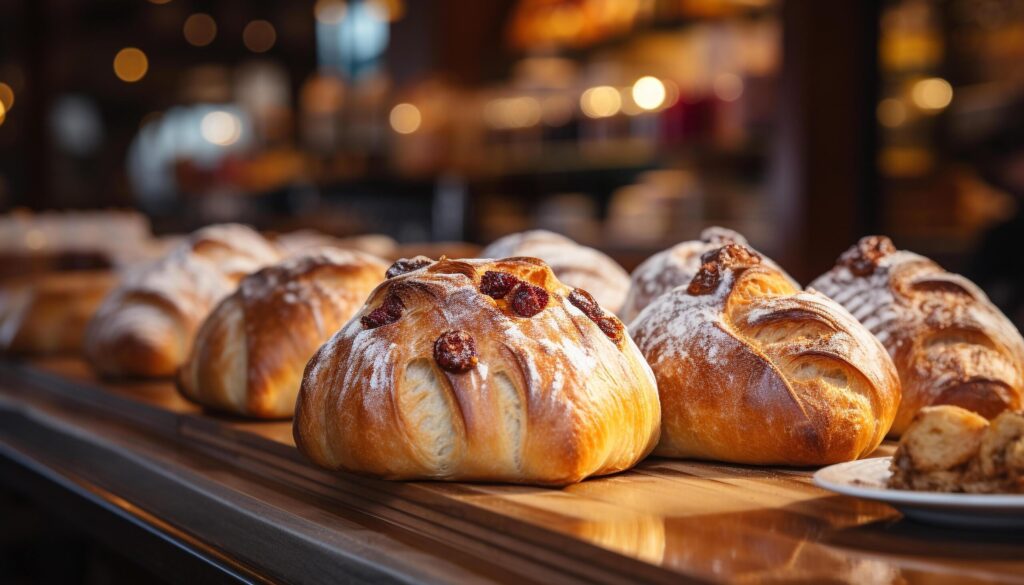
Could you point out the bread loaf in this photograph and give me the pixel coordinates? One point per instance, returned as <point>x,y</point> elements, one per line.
<point>951,345</point>
<point>575,265</point>
<point>249,354</point>
<point>145,326</point>
<point>488,370</point>
<point>752,370</point>
<point>48,313</point>
<point>677,266</point>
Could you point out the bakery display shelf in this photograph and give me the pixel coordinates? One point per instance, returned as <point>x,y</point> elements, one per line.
<point>240,491</point>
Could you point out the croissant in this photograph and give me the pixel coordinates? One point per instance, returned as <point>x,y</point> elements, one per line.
<point>48,313</point>
<point>145,326</point>
<point>752,370</point>
<point>575,265</point>
<point>487,370</point>
<point>249,354</point>
<point>677,266</point>
<point>951,345</point>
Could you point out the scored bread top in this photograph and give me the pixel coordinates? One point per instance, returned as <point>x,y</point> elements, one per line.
<point>478,369</point>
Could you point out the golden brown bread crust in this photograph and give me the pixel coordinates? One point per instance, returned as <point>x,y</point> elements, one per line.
<point>951,345</point>
<point>751,370</point>
<point>48,313</point>
<point>455,371</point>
<point>144,327</point>
<point>575,265</point>
<point>677,266</point>
<point>950,449</point>
<point>249,354</point>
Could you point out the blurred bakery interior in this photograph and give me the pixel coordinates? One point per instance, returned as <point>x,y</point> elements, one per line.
<point>628,125</point>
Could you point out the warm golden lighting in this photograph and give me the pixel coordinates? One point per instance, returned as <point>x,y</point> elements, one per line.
<point>512,112</point>
<point>259,36</point>
<point>200,29</point>
<point>3,112</point>
<point>394,9</point>
<point>649,93</point>
<point>891,112</point>
<point>130,65</point>
<point>933,93</point>
<point>405,118</point>
<point>601,102</point>
<point>221,128</point>
<point>330,11</point>
<point>159,1</point>
<point>6,96</point>
<point>728,87</point>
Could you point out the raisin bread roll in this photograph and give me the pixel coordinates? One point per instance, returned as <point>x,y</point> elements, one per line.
<point>486,370</point>
<point>575,265</point>
<point>48,313</point>
<point>145,326</point>
<point>752,370</point>
<point>249,354</point>
<point>677,266</point>
<point>951,345</point>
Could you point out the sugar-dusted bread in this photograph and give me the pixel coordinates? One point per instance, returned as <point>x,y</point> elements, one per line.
<point>48,313</point>
<point>752,370</point>
<point>677,266</point>
<point>950,449</point>
<point>487,370</point>
<point>575,265</point>
<point>249,354</point>
<point>145,326</point>
<point>951,345</point>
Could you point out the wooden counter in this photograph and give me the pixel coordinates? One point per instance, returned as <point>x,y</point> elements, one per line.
<point>236,500</point>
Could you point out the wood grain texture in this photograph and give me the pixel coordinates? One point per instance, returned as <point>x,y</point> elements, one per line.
<point>664,522</point>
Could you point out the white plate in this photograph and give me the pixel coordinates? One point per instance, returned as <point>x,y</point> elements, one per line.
<point>868,478</point>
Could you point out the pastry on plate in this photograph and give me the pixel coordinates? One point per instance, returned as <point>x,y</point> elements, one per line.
<point>752,370</point>
<point>484,370</point>
<point>249,354</point>
<point>951,345</point>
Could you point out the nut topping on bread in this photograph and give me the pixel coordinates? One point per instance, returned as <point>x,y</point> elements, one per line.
<point>609,325</point>
<point>455,351</point>
<point>863,258</point>
<point>528,300</point>
<point>730,256</point>
<point>403,265</point>
<point>387,313</point>
<point>497,284</point>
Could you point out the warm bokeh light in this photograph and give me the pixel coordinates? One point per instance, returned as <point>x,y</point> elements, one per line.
<point>395,9</point>
<point>728,87</point>
<point>330,11</point>
<point>6,96</point>
<point>3,113</point>
<point>891,112</point>
<point>159,1</point>
<point>221,128</point>
<point>130,64</point>
<point>601,101</point>
<point>259,36</point>
<point>200,29</point>
<point>512,112</point>
<point>649,93</point>
<point>933,93</point>
<point>405,118</point>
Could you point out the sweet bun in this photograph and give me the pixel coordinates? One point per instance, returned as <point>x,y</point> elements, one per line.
<point>486,370</point>
<point>752,370</point>
<point>677,266</point>
<point>48,313</point>
<point>951,345</point>
<point>575,265</point>
<point>145,326</point>
<point>249,354</point>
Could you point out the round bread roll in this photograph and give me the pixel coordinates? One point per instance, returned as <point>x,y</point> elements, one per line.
<point>249,354</point>
<point>48,313</point>
<point>951,345</point>
<point>677,266</point>
<point>751,370</point>
<point>486,370</point>
<point>575,265</point>
<point>145,326</point>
